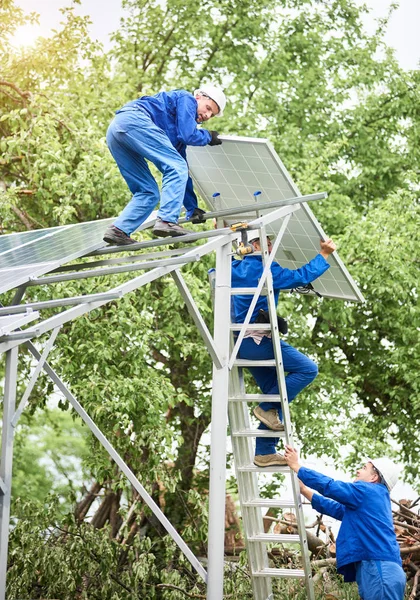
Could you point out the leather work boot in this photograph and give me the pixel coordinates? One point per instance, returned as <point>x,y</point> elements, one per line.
<point>269,418</point>
<point>270,460</point>
<point>166,229</point>
<point>115,236</point>
<point>198,216</point>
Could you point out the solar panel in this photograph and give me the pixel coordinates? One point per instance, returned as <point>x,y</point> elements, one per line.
<point>34,253</point>
<point>238,169</point>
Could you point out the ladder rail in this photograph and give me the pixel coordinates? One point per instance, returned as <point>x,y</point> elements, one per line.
<point>272,309</point>
<point>248,489</point>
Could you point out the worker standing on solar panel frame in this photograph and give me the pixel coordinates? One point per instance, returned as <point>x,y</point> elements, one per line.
<point>158,129</point>
<point>257,345</point>
<point>367,547</point>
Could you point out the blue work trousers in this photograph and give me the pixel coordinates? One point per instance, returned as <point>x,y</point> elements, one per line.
<point>133,138</point>
<point>300,369</point>
<point>380,580</point>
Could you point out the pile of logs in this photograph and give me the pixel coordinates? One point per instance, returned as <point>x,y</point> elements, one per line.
<point>407,528</point>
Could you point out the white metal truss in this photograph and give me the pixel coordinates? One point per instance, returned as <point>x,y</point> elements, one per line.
<point>225,367</point>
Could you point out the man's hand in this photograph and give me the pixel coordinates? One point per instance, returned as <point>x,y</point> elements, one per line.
<point>215,141</point>
<point>327,247</point>
<point>292,458</point>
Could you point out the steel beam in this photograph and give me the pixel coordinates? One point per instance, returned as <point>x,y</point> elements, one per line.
<point>34,377</point>
<point>120,260</point>
<point>7,461</point>
<point>59,302</point>
<point>197,318</point>
<point>256,208</point>
<point>182,239</point>
<point>121,464</point>
<point>13,339</point>
<point>138,266</point>
<point>217,491</point>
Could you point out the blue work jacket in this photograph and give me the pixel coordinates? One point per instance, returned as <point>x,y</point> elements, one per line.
<point>175,113</point>
<point>367,530</point>
<point>247,273</point>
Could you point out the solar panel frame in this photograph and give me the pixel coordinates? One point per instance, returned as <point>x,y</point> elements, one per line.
<point>36,256</point>
<point>229,170</point>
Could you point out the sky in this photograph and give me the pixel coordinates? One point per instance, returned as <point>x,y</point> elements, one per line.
<point>402,34</point>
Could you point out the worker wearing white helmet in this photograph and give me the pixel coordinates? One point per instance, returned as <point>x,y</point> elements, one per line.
<point>367,547</point>
<point>158,129</point>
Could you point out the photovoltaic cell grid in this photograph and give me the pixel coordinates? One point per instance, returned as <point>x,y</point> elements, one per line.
<point>34,253</point>
<point>242,166</point>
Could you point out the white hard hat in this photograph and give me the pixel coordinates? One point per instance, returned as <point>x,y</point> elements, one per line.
<point>214,93</point>
<point>387,469</point>
<point>253,236</point>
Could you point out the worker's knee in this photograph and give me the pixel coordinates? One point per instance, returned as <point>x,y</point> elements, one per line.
<point>311,370</point>
<point>182,171</point>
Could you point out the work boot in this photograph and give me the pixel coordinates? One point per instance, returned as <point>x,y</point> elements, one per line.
<point>166,229</point>
<point>270,460</point>
<point>198,216</point>
<point>115,236</point>
<point>269,418</point>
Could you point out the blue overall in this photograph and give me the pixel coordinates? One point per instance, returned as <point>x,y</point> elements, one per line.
<point>158,129</point>
<point>301,370</point>
<point>367,547</point>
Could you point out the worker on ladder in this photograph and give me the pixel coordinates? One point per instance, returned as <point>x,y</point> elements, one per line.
<point>158,129</point>
<point>257,345</point>
<point>367,547</point>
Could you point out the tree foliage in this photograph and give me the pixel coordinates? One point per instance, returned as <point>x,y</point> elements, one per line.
<point>344,117</point>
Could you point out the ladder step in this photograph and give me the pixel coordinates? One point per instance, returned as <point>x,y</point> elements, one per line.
<point>246,292</point>
<point>279,573</point>
<point>251,326</point>
<point>255,398</point>
<point>255,469</point>
<point>258,433</point>
<point>268,503</point>
<point>281,538</point>
<point>242,362</point>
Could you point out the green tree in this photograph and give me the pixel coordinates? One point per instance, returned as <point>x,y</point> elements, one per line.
<point>344,118</point>
<point>50,447</point>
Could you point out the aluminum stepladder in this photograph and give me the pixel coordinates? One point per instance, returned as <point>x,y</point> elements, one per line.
<point>243,451</point>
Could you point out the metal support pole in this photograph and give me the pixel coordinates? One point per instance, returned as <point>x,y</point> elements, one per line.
<point>196,316</point>
<point>7,461</point>
<point>147,499</point>
<point>217,496</point>
<point>25,398</point>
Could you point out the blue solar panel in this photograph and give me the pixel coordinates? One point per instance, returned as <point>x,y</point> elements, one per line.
<point>34,253</point>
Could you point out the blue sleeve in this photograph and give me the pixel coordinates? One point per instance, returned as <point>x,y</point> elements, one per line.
<point>328,507</point>
<point>186,114</point>
<point>289,278</point>
<point>349,494</point>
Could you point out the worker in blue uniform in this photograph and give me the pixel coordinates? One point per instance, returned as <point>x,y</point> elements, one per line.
<point>158,129</point>
<point>257,345</point>
<point>367,547</point>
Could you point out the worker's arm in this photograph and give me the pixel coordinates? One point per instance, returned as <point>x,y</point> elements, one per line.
<point>186,115</point>
<point>322,505</point>
<point>291,278</point>
<point>349,494</point>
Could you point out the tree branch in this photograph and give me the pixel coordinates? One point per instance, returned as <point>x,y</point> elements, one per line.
<point>25,95</point>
